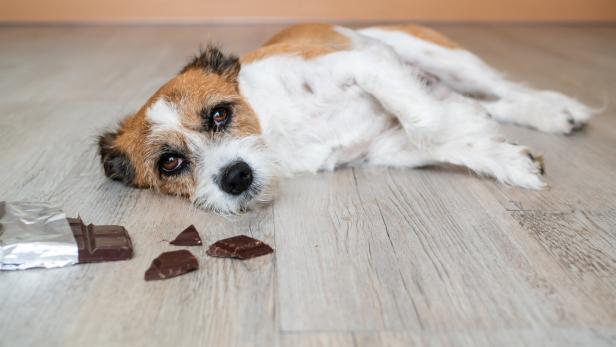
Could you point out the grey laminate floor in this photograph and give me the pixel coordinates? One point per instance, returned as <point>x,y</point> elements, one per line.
<point>363,257</point>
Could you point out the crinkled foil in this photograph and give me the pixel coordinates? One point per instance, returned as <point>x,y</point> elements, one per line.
<point>35,235</point>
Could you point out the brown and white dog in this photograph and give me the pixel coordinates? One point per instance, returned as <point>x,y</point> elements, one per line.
<point>316,97</point>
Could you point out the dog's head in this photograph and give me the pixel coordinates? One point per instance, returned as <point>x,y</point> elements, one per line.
<point>196,137</point>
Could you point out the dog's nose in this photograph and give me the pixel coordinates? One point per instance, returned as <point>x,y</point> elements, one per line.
<point>236,178</point>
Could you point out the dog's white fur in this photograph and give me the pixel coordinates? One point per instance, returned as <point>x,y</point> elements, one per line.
<point>392,99</point>
<point>163,116</point>
<point>369,106</point>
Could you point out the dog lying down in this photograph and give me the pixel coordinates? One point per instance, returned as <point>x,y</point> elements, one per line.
<point>316,97</point>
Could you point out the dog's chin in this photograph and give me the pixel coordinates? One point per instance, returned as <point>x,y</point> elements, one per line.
<point>213,199</point>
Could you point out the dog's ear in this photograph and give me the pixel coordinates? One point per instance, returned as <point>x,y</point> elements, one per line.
<point>212,59</point>
<point>116,163</point>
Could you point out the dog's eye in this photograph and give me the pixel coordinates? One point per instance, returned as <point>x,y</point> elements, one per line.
<point>219,116</point>
<point>171,163</point>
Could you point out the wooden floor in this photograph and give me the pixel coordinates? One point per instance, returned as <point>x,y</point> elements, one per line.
<point>371,257</point>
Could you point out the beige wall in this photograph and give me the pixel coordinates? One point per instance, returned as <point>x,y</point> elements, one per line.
<point>273,10</point>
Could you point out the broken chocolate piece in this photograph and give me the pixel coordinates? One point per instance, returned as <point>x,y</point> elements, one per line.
<point>188,237</point>
<point>171,264</point>
<point>98,243</point>
<point>241,247</point>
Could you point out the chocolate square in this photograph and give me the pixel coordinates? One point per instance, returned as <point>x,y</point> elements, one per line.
<point>171,264</point>
<point>240,247</point>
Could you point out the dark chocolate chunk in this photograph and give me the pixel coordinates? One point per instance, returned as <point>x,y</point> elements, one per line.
<point>98,243</point>
<point>171,264</point>
<point>188,237</point>
<point>241,247</point>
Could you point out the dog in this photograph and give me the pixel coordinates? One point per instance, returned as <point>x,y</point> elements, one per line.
<point>316,97</point>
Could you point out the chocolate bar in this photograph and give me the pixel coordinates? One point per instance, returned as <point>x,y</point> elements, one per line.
<point>240,247</point>
<point>98,243</point>
<point>171,264</point>
<point>188,237</point>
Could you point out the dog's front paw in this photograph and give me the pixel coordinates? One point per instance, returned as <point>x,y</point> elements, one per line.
<point>523,167</point>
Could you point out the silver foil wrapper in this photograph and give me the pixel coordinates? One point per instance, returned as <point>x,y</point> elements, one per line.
<point>35,235</point>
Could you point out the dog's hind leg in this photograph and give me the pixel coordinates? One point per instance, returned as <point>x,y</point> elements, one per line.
<point>485,153</point>
<point>436,131</point>
<point>466,74</point>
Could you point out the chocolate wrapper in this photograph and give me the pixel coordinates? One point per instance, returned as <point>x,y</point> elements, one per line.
<point>35,235</point>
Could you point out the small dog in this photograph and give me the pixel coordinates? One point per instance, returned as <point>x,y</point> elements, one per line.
<point>316,97</point>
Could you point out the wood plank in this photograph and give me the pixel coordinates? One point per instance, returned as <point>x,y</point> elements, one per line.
<point>327,261</point>
<point>485,254</point>
<point>583,242</point>
<point>429,258</point>
<point>518,337</point>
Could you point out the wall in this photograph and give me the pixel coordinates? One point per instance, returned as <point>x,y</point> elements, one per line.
<point>291,10</point>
